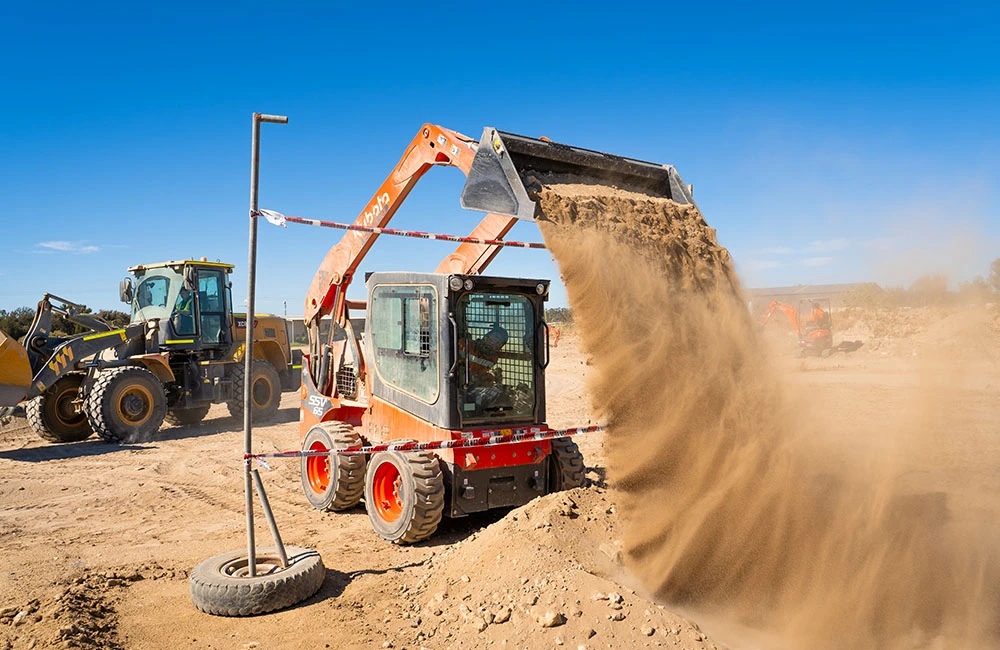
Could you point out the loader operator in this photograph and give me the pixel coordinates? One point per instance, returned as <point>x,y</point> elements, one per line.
<point>485,375</point>
<point>183,315</point>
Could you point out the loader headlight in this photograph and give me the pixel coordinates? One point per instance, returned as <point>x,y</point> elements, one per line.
<point>455,283</point>
<point>468,285</point>
<point>540,289</point>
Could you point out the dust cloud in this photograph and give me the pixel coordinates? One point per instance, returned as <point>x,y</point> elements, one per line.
<point>728,508</point>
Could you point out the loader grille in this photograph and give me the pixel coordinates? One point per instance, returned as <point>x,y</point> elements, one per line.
<point>347,382</point>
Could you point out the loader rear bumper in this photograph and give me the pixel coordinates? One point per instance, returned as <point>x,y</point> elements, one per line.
<point>476,490</point>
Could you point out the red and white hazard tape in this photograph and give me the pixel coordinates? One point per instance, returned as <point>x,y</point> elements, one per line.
<point>482,438</point>
<point>279,219</point>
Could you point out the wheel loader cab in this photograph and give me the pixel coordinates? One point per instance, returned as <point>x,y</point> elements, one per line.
<point>190,299</point>
<point>458,352</point>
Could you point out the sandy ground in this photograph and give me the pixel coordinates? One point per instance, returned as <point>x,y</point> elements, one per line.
<point>96,541</point>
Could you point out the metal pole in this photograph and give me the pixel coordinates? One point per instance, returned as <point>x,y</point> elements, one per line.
<point>248,360</point>
<point>265,505</point>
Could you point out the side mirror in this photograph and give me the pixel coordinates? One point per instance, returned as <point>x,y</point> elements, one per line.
<point>125,290</point>
<point>191,278</point>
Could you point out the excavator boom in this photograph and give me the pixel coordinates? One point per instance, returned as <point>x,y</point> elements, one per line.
<point>787,310</point>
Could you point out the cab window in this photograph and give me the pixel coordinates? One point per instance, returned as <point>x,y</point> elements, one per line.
<point>404,339</point>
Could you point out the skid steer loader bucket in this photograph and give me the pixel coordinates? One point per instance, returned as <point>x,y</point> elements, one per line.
<point>15,371</point>
<point>504,161</point>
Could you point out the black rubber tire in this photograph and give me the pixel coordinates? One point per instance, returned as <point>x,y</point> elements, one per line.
<point>332,482</point>
<point>566,468</point>
<point>126,404</point>
<point>51,415</point>
<point>183,417</point>
<point>217,586</point>
<point>421,501</point>
<point>266,392</point>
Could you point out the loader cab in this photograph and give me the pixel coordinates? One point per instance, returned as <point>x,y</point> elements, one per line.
<point>190,299</point>
<point>458,351</point>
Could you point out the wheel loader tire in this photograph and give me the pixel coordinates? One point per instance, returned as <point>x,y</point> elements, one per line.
<point>332,482</point>
<point>221,585</point>
<point>54,417</point>
<point>566,468</point>
<point>126,405</point>
<point>266,391</point>
<point>404,495</point>
<point>182,417</point>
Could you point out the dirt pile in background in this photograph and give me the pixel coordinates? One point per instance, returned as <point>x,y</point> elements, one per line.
<point>726,505</point>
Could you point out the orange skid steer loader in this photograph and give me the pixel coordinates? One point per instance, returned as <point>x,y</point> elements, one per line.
<point>438,356</point>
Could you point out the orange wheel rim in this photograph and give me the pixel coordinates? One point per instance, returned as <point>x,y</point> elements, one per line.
<point>135,405</point>
<point>318,469</point>
<point>385,486</point>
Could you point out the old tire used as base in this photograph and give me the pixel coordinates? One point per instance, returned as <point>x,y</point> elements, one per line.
<point>126,404</point>
<point>404,495</point>
<point>265,392</point>
<point>181,417</point>
<point>566,468</point>
<point>54,416</point>
<point>221,585</point>
<point>332,482</point>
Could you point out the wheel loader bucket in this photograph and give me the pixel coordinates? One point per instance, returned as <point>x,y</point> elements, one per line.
<point>501,175</point>
<point>15,371</point>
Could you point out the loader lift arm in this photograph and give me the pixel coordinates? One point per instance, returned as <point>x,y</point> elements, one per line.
<point>44,359</point>
<point>497,173</point>
<point>433,145</point>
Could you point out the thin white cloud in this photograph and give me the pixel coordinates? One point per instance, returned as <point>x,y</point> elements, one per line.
<point>757,265</point>
<point>816,261</point>
<point>828,245</point>
<point>67,247</point>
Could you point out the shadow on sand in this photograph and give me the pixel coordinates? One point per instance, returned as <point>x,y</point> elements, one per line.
<point>94,446</point>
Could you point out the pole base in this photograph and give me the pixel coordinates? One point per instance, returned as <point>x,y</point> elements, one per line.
<point>222,585</point>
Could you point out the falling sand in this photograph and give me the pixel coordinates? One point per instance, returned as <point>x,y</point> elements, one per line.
<point>728,508</point>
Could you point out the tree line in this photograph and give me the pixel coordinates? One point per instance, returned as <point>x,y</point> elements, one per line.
<point>930,290</point>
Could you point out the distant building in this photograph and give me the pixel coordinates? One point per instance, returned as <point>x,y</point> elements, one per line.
<point>835,293</point>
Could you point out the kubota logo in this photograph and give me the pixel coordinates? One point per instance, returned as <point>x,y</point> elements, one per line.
<point>378,207</point>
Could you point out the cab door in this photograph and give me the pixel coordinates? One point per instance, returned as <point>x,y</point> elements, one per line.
<point>212,311</point>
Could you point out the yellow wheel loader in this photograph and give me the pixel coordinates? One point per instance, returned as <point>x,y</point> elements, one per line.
<point>180,353</point>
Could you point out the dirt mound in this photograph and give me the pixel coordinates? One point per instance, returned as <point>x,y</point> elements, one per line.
<point>543,575</point>
<point>726,506</point>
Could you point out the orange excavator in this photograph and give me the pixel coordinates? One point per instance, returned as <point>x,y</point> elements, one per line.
<point>811,322</point>
<point>438,356</point>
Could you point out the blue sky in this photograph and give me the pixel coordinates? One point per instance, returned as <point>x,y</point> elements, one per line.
<point>826,143</point>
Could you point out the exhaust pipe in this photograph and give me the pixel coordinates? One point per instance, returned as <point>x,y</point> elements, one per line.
<point>505,161</point>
